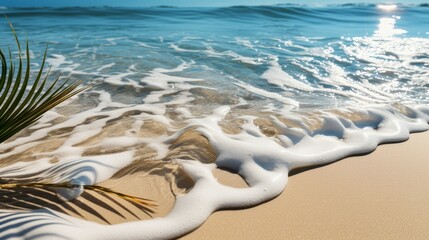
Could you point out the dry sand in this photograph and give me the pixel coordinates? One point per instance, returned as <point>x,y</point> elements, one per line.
<point>383,195</point>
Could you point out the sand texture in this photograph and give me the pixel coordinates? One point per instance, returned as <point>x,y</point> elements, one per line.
<point>382,195</point>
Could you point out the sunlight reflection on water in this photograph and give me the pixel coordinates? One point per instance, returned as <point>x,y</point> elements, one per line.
<point>387,7</point>
<point>386,27</point>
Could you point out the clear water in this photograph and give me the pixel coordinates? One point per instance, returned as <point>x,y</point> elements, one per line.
<point>320,57</point>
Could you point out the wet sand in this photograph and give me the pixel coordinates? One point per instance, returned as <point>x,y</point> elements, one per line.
<point>382,195</point>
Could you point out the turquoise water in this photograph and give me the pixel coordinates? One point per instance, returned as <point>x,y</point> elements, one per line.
<point>306,57</point>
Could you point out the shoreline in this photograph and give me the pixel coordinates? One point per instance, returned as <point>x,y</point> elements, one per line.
<point>381,195</point>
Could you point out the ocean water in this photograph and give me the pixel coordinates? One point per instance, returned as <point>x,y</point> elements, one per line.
<point>269,88</point>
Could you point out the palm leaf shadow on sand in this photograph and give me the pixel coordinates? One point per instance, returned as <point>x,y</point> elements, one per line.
<point>94,199</point>
<point>19,224</point>
<point>31,191</point>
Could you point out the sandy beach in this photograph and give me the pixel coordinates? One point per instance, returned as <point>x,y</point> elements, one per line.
<point>382,195</point>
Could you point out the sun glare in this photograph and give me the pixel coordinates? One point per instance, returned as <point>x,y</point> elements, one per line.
<point>387,7</point>
<point>386,27</point>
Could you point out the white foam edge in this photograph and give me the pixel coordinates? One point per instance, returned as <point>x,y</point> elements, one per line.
<point>262,162</point>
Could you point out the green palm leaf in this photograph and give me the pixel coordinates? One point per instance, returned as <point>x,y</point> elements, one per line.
<point>22,105</point>
<point>19,107</point>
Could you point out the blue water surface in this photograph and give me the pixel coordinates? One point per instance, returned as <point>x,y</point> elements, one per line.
<point>350,54</point>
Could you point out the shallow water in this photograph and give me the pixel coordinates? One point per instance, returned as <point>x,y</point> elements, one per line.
<point>256,90</point>
<point>306,57</point>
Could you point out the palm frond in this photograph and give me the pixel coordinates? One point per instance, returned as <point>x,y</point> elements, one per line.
<point>22,105</point>
<point>143,201</point>
<point>19,107</point>
<point>22,196</point>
